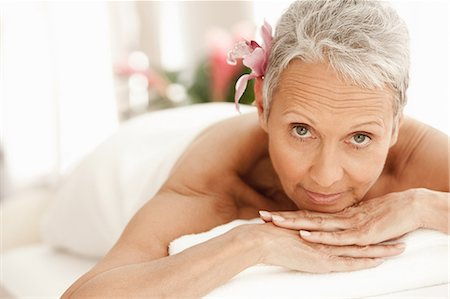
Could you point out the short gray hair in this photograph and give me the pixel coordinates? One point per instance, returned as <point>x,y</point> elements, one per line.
<point>365,41</point>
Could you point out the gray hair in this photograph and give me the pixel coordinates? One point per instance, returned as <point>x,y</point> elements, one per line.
<point>365,41</point>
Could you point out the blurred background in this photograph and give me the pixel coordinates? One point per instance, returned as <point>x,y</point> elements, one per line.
<point>72,72</point>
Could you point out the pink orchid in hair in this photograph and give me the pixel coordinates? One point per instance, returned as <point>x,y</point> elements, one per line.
<point>254,56</point>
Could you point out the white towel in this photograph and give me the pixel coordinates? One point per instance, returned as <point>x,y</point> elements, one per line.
<point>423,263</point>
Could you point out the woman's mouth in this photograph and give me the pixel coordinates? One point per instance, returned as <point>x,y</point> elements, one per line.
<point>323,199</point>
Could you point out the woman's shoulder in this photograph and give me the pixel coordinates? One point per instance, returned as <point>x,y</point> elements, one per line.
<point>420,157</point>
<point>416,138</point>
<point>226,148</point>
<point>217,163</point>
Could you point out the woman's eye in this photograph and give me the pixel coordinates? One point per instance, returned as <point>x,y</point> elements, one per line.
<point>360,140</point>
<point>302,131</point>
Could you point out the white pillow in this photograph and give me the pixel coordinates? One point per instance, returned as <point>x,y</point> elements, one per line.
<point>97,199</point>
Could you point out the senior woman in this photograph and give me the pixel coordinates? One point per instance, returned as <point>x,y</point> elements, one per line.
<point>328,161</point>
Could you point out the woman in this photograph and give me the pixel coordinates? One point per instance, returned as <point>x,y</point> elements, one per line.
<point>329,162</point>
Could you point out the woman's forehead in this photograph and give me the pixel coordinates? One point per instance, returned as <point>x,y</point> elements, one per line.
<point>317,87</point>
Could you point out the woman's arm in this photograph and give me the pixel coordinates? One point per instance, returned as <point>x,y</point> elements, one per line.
<point>435,212</point>
<point>138,265</point>
<point>191,273</point>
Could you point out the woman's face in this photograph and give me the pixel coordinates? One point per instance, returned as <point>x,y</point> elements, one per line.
<point>328,140</point>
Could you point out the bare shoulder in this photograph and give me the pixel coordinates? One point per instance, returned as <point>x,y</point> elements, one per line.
<point>203,188</point>
<point>223,149</point>
<point>420,158</point>
<point>208,177</point>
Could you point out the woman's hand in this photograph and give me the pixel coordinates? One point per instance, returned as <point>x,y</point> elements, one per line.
<point>369,222</point>
<point>284,247</point>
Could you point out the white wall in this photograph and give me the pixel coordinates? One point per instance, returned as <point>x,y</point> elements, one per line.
<point>57,101</point>
<point>428,23</point>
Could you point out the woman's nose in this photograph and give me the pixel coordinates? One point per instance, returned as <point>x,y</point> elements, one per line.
<point>326,168</point>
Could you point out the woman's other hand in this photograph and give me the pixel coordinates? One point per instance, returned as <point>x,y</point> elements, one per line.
<point>284,247</point>
<point>369,222</point>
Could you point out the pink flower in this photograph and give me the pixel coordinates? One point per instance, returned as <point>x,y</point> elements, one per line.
<point>219,42</point>
<point>254,57</point>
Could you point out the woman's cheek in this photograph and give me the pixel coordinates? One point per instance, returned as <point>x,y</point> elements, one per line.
<point>289,164</point>
<point>366,171</point>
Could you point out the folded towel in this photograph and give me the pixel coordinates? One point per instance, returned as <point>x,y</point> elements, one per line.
<point>423,263</point>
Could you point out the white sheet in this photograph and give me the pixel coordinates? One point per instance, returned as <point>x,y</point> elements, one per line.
<point>38,271</point>
<point>424,263</point>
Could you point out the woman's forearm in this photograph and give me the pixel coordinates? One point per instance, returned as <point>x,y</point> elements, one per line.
<point>435,209</point>
<point>192,273</point>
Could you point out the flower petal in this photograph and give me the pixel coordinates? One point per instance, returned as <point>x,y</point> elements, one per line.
<point>240,50</point>
<point>266,33</point>
<point>231,59</point>
<point>241,85</point>
<point>254,45</point>
<point>256,61</point>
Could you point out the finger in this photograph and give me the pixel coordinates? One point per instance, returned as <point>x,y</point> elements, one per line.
<point>371,251</point>
<point>266,216</point>
<point>337,238</point>
<point>312,222</point>
<point>344,264</point>
<point>306,214</point>
<point>392,240</point>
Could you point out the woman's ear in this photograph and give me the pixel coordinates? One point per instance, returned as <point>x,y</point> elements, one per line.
<point>259,102</point>
<point>398,119</point>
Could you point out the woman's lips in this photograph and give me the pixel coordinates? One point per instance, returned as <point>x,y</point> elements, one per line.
<point>323,199</point>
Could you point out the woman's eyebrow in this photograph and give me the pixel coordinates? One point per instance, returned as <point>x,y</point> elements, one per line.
<point>368,123</point>
<point>378,123</point>
<point>299,114</point>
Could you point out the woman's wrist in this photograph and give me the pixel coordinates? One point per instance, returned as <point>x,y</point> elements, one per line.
<point>251,238</point>
<point>433,209</point>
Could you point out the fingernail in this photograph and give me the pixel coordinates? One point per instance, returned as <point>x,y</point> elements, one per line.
<point>277,218</point>
<point>265,214</point>
<point>379,261</point>
<point>305,233</point>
